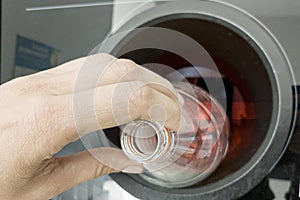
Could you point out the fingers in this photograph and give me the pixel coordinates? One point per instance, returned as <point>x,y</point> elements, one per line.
<point>99,92</point>
<point>75,169</point>
<point>109,106</point>
<point>98,70</point>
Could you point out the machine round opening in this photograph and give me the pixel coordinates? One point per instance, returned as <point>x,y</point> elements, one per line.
<point>247,83</point>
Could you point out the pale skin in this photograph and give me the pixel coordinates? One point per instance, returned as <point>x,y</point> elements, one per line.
<point>37,121</point>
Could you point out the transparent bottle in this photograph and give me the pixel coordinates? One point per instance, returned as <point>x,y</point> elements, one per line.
<point>180,159</point>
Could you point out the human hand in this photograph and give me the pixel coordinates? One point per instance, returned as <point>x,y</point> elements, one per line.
<point>37,120</point>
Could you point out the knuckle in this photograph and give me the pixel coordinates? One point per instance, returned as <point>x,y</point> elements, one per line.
<point>141,97</point>
<point>28,84</point>
<point>106,55</point>
<point>102,170</point>
<point>124,66</point>
<point>101,55</point>
<point>22,85</point>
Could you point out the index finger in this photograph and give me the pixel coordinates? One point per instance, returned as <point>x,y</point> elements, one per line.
<point>99,70</point>
<point>99,112</point>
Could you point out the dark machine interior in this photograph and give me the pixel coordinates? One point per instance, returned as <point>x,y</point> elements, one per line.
<point>246,80</point>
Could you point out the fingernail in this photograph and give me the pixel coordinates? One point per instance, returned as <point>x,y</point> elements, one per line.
<point>134,169</point>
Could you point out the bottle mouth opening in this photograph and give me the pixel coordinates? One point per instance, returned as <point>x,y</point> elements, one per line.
<point>143,141</point>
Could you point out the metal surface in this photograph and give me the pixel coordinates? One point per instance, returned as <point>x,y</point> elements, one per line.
<point>85,5</point>
<point>280,73</point>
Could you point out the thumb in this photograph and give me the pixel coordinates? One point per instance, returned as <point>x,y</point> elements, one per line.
<point>75,169</point>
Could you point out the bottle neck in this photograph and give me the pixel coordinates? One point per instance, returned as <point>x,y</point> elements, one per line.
<point>145,142</point>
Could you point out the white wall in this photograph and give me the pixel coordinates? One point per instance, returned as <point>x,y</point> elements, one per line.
<point>73,31</point>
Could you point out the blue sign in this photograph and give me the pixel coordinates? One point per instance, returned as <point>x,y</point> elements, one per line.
<point>35,55</point>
